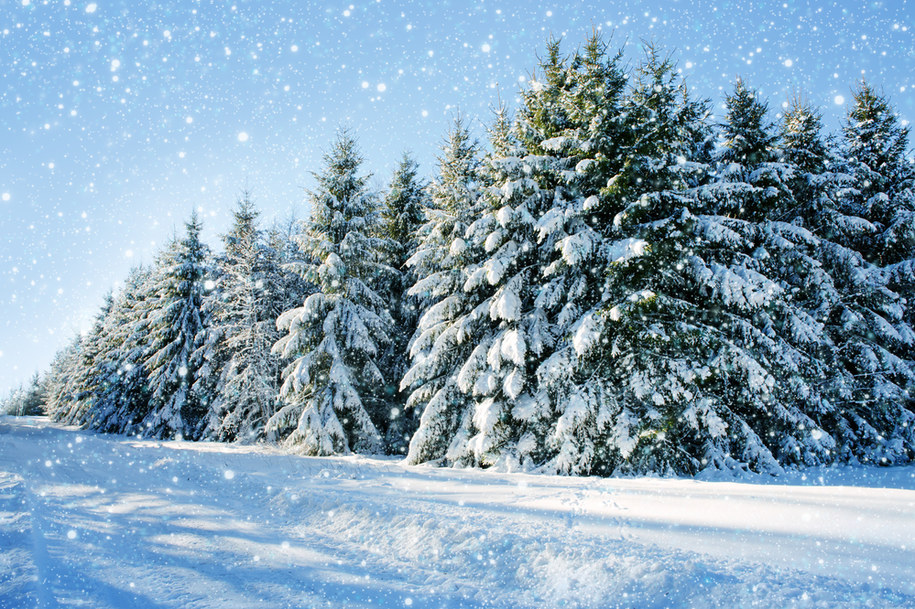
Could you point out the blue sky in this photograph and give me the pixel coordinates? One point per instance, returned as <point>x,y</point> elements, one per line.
<point>119,118</point>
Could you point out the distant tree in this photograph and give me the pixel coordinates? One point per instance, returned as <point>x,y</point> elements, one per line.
<point>62,382</point>
<point>26,400</point>
<point>121,399</point>
<point>74,402</point>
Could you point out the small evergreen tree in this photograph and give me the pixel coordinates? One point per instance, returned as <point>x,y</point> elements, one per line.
<point>85,383</point>
<point>800,140</point>
<point>28,400</point>
<point>122,399</point>
<point>748,139</point>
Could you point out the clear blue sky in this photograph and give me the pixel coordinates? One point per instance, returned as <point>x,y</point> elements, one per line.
<point>117,118</point>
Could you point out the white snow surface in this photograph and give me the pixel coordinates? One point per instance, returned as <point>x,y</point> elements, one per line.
<point>88,520</point>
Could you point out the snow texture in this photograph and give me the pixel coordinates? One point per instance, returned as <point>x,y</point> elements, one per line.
<point>113,522</point>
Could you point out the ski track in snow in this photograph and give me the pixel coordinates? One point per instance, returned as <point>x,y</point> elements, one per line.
<point>88,520</point>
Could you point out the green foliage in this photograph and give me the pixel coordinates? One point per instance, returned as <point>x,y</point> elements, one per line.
<point>748,138</point>
<point>800,138</point>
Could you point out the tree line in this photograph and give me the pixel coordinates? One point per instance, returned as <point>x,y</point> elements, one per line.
<point>613,283</point>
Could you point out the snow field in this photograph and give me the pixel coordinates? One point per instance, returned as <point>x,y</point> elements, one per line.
<point>104,521</point>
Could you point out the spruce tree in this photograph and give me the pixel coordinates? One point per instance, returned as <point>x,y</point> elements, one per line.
<point>749,139</point>
<point>401,215</point>
<point>884,179</point>
<point>333,387</point>
<point>573,234</point>
<point>445,334</point>
<point>542,243</point>
<point>122,400</point>
<point>872,266</point>
<point>247,299</point>
<point>800,141</point>
<point>63,373</point>
<point>29,400</point>
<point>530,251</point>
<point>500,277</point>
<point>679,367</point>
<point>175,325</point>
<point>85,382</point>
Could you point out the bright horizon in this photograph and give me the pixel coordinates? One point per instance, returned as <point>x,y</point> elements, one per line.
<point>117,119</point>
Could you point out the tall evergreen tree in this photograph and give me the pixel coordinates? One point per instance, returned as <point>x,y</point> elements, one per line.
<point>401,216</point>
<point>441,265</point>
<point>573,233</point>
<point>873,318</point>
<point>334,386</point>
<point>541,241</point>
<point>876,144</point>
<point>884,181</point>
<point>176,325</point>
<point>249,296</point>
<point>679,366</point>
<point>489,366</point>
<point>530,251</point>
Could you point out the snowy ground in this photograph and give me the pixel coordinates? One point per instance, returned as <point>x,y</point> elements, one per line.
<point>103,521</point>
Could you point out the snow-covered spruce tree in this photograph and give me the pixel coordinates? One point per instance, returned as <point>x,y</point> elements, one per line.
<point>122,398</point>
<point>588,150</point>
<point>492,335</point>
<point>333,387</point>
<point>749,139</point>
<point>247,299</point>
<point>62,377</point>
<point>815,182</point>
<point>447,328</point>
<point>771,203</point>
<point>27,400</point>
<point>884,179</point>
<point>862,307</point>
<point>532,241</point>
<point>75,407</point>
<point>175,326</point>
<point>540,245</point>
<point>681,364</point>
<point>800,141</point>
<point>583,141</point>
<point>883,188</point>
<point>400,217</point>
<point>862,338</point>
